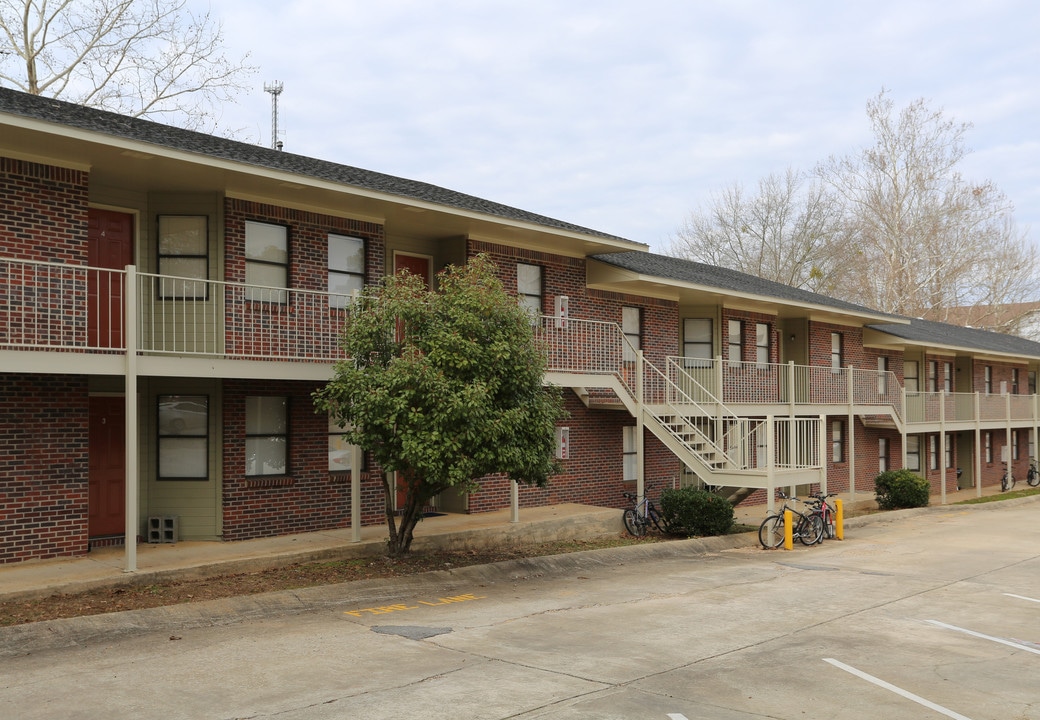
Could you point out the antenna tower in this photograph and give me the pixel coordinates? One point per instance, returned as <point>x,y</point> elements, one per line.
<point>275,88</point>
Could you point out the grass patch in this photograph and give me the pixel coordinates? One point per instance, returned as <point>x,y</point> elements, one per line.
<point>1012,495</point>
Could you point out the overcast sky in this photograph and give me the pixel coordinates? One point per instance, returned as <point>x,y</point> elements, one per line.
<point>624,116</point>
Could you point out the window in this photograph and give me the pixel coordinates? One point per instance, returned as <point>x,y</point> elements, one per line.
<point>183,437</point>
<point>632,327</point>
<point>988,379</point>
<point>267,262</point>
<point>933,376</point>
<point>837,441</point>
<point>697,341</point>
<point>836,358</point>
<point>987,441</point>
<point>948,450</point>
<point>1031,379</point>
<point>267,435</point>
<point>883,460</point>
<point>882,375</point>
<point>341,455</point>
<point>913,452</point>
<point>529,288</point>
<point>1014,381</point>
<point>736,341</point>
<point>761,343</point>
<point>910,377</point>
<point>346,269</point>
<point>933,452</point>
<point>1014,444</point>
<point>183,253</point>
<point>629,455</point>
<point>948,377</point>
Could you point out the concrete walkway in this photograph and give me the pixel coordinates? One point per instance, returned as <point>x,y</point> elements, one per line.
<point>187,560</point>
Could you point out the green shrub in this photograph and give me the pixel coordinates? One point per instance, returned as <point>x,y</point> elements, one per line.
<point>695,513</point>
<point>901,489</point>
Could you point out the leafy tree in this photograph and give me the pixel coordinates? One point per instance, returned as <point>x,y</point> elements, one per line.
<point>444,387</point>
<point>151,58</point>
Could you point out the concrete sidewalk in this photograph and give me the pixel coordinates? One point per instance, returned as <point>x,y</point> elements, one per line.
<point>187,560</point>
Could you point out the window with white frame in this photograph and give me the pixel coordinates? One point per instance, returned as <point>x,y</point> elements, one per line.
<point>183,253</point>
<point>267,435</point>
<point>987,379</point>
<point>530,288</point>
<point>836,351</point>
<point>629,455</point>
<point>837,441</point>
<point>913,452</point>
<point>267,262</point>
<point>632,327</point>
<point>948,450</point>
<point>1031,380</point>
<point>1014,444</point>
<point>735,342</point>
<point>762,344</point>
<point>183,442</point>
<point>1014,381</point>
<point>948,377</point>
<point>933,376</point>
<point>911,379</point>
<point>987,442</point>
<point>933,452</point>
<point>346,269</point>
<point>883,459</point>
<point>697,341</point>
<point>882,375</point>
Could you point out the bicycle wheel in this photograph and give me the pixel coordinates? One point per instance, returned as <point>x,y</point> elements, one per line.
<point>771,532</point>
<point>1033,478</point>
<point>633,523</point>
<point>655,517</point>
<point>1007,482</point>
<point>811,529</point>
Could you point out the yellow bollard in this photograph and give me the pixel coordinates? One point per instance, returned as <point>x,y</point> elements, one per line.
<point>839,519</point>
<point>788,535</point>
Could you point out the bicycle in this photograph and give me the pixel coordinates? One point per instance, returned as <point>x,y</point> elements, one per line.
<point>1033,476</point>
<point>1007,480</point>
<point>827,513</point>
<point>808,529</point>
<point>641,516</point>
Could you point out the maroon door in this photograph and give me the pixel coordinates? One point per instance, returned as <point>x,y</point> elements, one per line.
<point>110,244</point>
<point>106,498</point>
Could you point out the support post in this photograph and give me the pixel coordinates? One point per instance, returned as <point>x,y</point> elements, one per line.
<point>788,533</point>
<point>978,446</point>
<point>355,494</point>
<point>133,522</point>
<point>942,447</point>
<point>852,434</point>
<point>640,410</point>
<point>839,519</point>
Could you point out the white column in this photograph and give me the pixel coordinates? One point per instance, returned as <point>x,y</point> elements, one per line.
<point>942,447</point>
<point>852,435</point>
<point>355,494</point>
<point>640,409</point>
<point>133,522</point>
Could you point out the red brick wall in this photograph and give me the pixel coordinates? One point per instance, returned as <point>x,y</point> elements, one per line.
<point>43,466</point>
<point>308,497</point>
<point>44,211</point>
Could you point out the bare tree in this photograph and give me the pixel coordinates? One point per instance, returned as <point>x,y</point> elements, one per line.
<point>926,238</point>
<point>143,58</point>
<point>785,232</point>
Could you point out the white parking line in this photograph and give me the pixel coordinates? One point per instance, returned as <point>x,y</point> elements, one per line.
<point>1022,597</point>
<point>897,690</point>
<point>1002,641</point>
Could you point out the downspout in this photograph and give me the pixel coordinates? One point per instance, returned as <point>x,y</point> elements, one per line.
<point>131,431</point>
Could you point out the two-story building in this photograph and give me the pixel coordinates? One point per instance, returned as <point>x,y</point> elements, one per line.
<point>169,301</point>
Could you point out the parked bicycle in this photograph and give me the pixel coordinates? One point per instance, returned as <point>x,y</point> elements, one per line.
<point>641,516</point>
<point>820,506</point>
<point>1007,480</point>
<point>808,529</point>
<point>1033,476</point>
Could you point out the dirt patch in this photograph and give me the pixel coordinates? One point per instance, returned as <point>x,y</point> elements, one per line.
<point>137,597</point>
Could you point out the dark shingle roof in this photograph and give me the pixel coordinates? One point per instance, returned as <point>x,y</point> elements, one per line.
<point>724,279</point>
<point>927,332</point>
<point>21,104</point>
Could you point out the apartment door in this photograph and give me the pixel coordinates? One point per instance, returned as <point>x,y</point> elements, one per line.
<point>421,266</point>
<point>110,245</point>
<point>106,445</point>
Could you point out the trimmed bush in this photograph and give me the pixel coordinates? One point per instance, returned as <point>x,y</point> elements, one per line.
<point>695,513</point>
<point>901,489</point>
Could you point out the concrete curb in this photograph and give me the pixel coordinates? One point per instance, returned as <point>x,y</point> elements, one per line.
<point>19,640</point>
